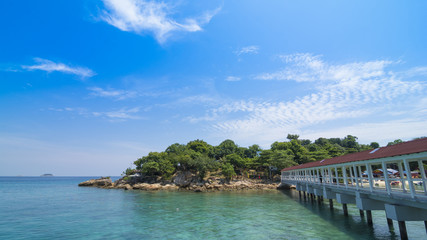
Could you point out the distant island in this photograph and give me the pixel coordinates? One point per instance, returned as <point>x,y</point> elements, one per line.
<point>47,175</point>
<point>201,167</point>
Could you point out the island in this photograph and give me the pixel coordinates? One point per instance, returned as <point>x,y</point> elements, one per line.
<point>200,167</point>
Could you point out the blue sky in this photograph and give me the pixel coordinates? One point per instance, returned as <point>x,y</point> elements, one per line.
<point>87,87</point>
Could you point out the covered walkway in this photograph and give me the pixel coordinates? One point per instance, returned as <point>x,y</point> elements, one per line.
<point>390,178</point>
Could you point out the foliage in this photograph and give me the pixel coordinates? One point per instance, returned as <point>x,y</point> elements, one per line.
<point>228,171</point>
<point>200,157</point>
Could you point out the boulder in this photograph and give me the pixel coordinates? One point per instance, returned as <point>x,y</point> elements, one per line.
<point>183,179</point>
<point>100,182</point>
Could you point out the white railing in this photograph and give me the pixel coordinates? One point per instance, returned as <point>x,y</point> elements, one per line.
<point>389,175</point>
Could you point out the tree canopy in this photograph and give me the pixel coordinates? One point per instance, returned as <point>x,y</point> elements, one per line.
<point>230,159</point>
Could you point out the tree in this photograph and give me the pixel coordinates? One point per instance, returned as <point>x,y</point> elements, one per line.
<point>155,164</point>
<point>292,137</point>
<point>350,142</point>
<point>374,145</point>
<point>237,161</point>
<point>395,142</point>
<point>225,148</point>
<point>321,141</point>
<point>281,146</point>
<point>200,146</point>
<point>202,164</point>
<point>228,171</point>
<point>252,151</point>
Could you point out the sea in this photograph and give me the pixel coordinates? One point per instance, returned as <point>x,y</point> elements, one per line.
<point>56,208</point>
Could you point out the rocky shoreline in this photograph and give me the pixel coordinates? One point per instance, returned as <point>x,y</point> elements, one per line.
<point>182,181</point>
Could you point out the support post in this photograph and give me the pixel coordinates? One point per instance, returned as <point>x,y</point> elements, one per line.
<point>390,224</point>
<point>409,177</point>
<point>425,224</point>
<point>331,206</point>
<point>305,197</point>
<point>402,230</point>
<point>344,208</point>
<point>299,193</point>
<point>369,217</point>
<point>385,173</point>
<point>370,177</point>
<point>362,213</point>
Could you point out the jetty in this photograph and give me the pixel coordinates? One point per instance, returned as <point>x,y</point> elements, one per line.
<point>391,179</point>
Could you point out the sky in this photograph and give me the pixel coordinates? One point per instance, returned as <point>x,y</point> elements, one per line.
<point>89,86</point>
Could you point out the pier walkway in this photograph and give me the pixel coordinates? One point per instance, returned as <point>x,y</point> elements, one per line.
<point>392,179</point>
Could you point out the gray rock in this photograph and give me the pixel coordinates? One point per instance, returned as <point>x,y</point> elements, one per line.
<point>100,182</point>
<point>183,179</point>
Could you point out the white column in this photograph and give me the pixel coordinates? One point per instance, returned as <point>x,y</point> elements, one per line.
<point>355,177</point>
<point>344,174</point>
<point>336,176</point>
<point>330,175</point>
<point>409,177</point>
<point>370,177</point>
<point>423,175</point>
<point>360,176</point>
<point>402,176</point>
<point>385,173</point>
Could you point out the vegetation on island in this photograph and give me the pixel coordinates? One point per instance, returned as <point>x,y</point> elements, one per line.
<point>229,160</point>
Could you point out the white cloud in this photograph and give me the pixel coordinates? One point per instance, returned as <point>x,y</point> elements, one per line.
<point>232,79</point>
<point>247,50</point>
<point>119,115</point>
<point>308,68</point>
<point>141,16</point>
<point>50,66</point>
<point>343,93</point>
<point>111,93</point>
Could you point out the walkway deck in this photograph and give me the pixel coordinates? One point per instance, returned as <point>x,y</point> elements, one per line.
<point>359,179</point>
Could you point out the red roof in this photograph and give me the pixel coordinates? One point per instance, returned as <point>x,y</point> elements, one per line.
<point>415,146</point>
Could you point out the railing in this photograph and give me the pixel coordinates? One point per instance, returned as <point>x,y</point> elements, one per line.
<point>387,175</point>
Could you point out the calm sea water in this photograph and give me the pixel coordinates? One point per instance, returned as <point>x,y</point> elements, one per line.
<point>56,208</point>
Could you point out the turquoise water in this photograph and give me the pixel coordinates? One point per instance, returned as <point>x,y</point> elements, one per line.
<point>55,208</point>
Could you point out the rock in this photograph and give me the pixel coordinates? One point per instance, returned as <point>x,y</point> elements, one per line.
<point>100,182</point>
<point>183,179</point>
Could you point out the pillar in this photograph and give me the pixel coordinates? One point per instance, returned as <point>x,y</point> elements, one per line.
<point>369,217</point>
<point>362,213</point>
<point>390,224</point>
<point>331,206</point>
<point>402,230</point>
<point>344,208</point>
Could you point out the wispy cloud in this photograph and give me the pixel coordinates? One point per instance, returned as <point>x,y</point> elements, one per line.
<point>112,93</point>
<point>114,116</point>
<point>232,79</point>
<point>342,92</point>
<point>119,115</point>
<point>142,16</point>
<point>308,68</point>
<point>247,50</point>
<point>50,66</point>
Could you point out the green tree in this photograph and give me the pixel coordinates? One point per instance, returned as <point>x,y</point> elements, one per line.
<point>395,142</point>
<point>252,151</point>
<point>292,137</point>
<point>225,148</point>
<point>374,145</point>
<point>200,146</point>
<point>228,171</point>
